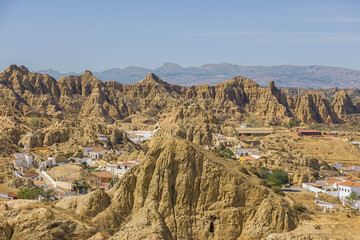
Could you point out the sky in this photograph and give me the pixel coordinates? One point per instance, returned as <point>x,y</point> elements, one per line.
<point>71,36</point>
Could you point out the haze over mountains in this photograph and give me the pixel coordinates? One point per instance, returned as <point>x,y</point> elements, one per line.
<point>314,76</point>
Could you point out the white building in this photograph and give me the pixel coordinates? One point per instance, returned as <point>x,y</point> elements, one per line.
<point>340,187</point>
<point>90,162</point>
<point>347,187</point>
<point>94,152</point>
<point>49,163</point>
<point>102,137</point>
<point>140,136</point>
<point>241,152</point>
<point>121,167</point>
<point>26,157</point>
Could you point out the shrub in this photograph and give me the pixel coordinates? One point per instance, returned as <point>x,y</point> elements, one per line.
<point>292,123</point>
<point>265,171</point>
<point>299,207</point>
<point>35,122</point>
<point>315,174</point>
<point>278,190</point>
<point>278,177</point>
<point>244,170</point>
<point>80,155</point>
<point>69,154</point>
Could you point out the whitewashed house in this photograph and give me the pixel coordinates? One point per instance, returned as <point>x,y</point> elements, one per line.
<point>90,162</point>
<point>49,163</point>
<point>26,157</point>
<point>241,152</point>
<point>94,152</point>
<point>347,187</point>
<point>140,136</point>
<point>22,162</point>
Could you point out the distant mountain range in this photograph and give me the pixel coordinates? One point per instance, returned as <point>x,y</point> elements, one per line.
<point>314,76</point>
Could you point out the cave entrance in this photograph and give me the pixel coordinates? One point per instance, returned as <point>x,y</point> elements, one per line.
<point>211,228</point>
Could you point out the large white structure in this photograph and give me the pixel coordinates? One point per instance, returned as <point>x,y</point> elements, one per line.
<point>340,187</point>
<point>140,136</point>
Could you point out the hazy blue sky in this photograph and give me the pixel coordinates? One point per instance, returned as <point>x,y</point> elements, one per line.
<point>69,35</point>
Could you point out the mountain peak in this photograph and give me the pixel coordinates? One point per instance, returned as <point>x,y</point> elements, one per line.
<point>87,72</point>
<point>152,79</point>
<point>13,68</point>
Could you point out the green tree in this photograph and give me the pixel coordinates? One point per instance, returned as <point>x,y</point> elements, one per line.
<point>278,177</point>
<point>352,198</point>
<point>292,123</point>
<point>227,153</point>
<point>27,193</point>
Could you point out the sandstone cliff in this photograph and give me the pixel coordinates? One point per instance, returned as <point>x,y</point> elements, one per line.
<point>343,105</point>
<point>86,97</point>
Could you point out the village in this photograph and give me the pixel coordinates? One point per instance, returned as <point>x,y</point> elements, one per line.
<point>68,175</point>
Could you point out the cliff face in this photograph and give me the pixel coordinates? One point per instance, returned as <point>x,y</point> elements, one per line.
<point>343,105</point>
<point>86,97</point>
<point>181,191</point>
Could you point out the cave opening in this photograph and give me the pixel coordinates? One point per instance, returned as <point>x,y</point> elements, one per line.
<point>211,228</point>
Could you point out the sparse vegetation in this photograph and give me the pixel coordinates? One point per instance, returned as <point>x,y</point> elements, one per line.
<point>244,170</point>
<point>222,151</point>
<point>278,190</point>
<point>34,122</point>
<point>299,207</point>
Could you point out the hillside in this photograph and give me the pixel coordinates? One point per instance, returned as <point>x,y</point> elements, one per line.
<point>181,191</point>
<point>317,77</point>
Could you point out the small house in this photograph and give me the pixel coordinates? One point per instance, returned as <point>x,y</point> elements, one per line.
<point>31,176</point>
<point>102,177</point>
<point>347,187</point>
<point>20,165</point>
<point>94,152</point>
<point>240,152</point>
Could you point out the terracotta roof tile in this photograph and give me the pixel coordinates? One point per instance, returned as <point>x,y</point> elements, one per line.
<point>103,174</point>
<point>96,150</point>
<point>352,178</point>
<point>350,184</point>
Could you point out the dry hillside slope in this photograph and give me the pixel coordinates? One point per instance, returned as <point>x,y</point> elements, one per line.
<point>182,191</point>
